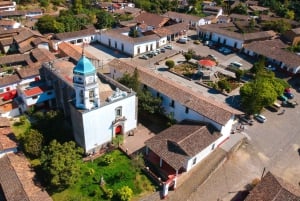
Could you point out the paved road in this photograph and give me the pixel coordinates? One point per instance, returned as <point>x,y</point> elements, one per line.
<point>272,145</point>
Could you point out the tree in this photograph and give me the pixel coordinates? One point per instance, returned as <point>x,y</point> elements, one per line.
<point>240,9</point>
<point>48,24</point>
<point>104,20</point>
<point>239,74</point>
<point>125,193</point>
<point>224,85</point>
<point>133,32</point>
<point>187,56</point>
<point>257,94</point>
<point>170,63</point>
<point>148,103</point>
<point>61,163</point>
<point>131,81</point>
<point>32,143</point>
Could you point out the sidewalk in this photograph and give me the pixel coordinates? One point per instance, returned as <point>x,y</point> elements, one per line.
<point>199,174</point>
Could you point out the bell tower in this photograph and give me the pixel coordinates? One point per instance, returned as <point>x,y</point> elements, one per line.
<point>85,84</point>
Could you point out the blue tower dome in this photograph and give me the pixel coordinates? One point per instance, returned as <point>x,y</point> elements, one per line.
<point>84,67</point>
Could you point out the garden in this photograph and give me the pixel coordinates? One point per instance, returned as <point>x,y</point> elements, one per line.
<point>59,165</point>
<point>186,69</point>
<point>107,178</point>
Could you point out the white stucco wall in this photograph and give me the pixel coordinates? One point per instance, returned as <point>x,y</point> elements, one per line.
<point>85,39</point>
<point>97,124</point>
<point>11,87</point>
<point>12,113</point>
<point>129,47</point>
<point>229,41</point>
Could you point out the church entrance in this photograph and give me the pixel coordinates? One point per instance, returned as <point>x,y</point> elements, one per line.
<point>118,130</point>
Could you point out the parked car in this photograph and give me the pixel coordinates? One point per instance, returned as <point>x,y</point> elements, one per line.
<point>287,90</point>
<point>157,51</point>
<point>183,40</point>
<point>289,95</point>
<point>289,103</point>
<point>162,50</point>
<point>260,118</point>
<point>213,57</point>
<point>245,120</point>
<point>150,55</point>
<point>271,68</point>
<point>170,47</point>
<point>144,57</point>
<point>282,98</point>
<point>154,53</point>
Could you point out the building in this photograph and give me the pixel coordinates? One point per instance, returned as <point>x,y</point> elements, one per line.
<point>179,148</point>
<point>205,123</point>
<point>275,53</point>
<point>100,108</point>
<point>225,34</point>
<point>120,40</point>
<point>17,180</point>
<point>292,36</point>
<point>81,37</point>
<point>273,188</point>
<point>179,101</point>
<point>7,6</point>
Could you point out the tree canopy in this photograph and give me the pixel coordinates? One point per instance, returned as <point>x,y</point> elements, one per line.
<point>61,163</point>
<point>147,102</point>
<point>32,142</point>
<point>262,91</point>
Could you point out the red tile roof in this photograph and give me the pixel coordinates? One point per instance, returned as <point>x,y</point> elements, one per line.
<point>7,138</point>
<point>211,109</point>
<point>151,19</point>
<point>272,188</point>
<point>33,91</point>
<point>180,142</point>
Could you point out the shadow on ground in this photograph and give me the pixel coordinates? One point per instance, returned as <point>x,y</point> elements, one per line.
<point>114,53</point>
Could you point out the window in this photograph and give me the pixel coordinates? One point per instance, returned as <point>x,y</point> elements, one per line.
<point>172,104</point>
<point>91,94</point>
<point>79,40</point>
<point>145,86</point>
<point>49,93</point>
<point>81,93</point>
<point>116,45</point>
<point>194,161</point>
<point>186,110</point>
<point>118,111</point>
<point>213,147</point>
<point>157,94</point>
<point>34,97</point>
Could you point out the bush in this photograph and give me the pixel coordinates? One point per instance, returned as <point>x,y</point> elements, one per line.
<point>107,159</point>
<point>170,63</point>
<point>125,193</point>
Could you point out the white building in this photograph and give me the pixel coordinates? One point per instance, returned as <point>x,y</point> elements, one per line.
<point>120,40</point>
<point>99,107</point>
<point>81,37</point>
<point>179,148</point>
<point>7,6</point>
<point>221,34</point>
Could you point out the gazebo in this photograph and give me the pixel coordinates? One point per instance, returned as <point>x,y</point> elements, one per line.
<point>205,68</point>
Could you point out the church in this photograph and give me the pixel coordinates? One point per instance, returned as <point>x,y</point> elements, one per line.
<point>99,108</point>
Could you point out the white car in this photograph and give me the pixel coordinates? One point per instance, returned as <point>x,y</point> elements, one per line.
<point>260,118</point>
<point>271,68</point>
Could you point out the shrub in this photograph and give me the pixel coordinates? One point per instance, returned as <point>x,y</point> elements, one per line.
<point>170,63</point>
<point>125,193</point>
<point>107,159</point>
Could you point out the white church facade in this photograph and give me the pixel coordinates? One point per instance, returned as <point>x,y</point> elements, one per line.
<point>100,108</point>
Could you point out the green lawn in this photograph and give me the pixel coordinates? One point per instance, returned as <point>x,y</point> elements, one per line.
<point>120,172</point>
<point>21,126</point>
